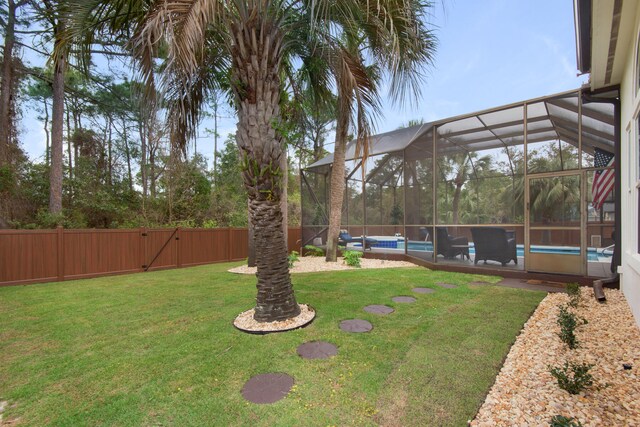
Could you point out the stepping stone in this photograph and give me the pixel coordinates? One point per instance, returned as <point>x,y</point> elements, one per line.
<point>446,285</point>
<point>267,388</point>
<point>403,299</point>
<point>423,290</point>
<point>317,350</point>
<point>379,309</point>
<point>355,325</point>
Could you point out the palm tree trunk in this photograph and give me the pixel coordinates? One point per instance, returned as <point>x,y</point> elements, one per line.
<point>256,52</point>
<point>57,125</point>
<point>284,200</point>
<point>337,185</point>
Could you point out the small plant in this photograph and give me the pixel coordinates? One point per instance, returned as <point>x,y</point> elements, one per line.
<point>568,323</point>
<point>352,258</point>
<point>573,377</point>
<point>562,421</point>
<point>573,290</point>
<point>311,250</point>
<point>293,258</point>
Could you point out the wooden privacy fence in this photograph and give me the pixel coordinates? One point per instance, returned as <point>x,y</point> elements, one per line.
<point>32,256</point>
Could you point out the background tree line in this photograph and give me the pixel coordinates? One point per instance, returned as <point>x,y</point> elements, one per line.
<point>120,167</point>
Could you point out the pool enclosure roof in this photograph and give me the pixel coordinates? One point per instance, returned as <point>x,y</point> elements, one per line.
<point>555,117</point>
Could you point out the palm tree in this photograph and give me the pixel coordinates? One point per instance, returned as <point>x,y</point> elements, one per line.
<point>252,42</point>
<point>400,48</point>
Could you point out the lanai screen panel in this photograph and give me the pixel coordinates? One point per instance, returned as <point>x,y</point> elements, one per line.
<point>314,191</point>
<point>384,194</point>
<point>418,181</point>
<point>480,168</point>
<point>552,134</point>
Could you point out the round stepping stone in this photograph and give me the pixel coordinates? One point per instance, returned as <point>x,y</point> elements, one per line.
<point>378,309</point>
<point>317,350</point>
<point>446,285</point>
<point>355,325</point>
<point>423,290</point>
<point>267,388</point>
<point>403,299</point>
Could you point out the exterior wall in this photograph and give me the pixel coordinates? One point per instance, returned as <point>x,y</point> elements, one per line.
<point>629,163</point>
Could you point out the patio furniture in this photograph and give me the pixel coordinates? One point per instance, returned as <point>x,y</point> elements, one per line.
<point>344,237</point>
<point>450,246</point>
<point>424,234</point>
<point>494,244</point>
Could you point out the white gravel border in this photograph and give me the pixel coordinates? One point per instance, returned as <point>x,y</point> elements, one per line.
<point>308,264</point>
<point>525,393</point>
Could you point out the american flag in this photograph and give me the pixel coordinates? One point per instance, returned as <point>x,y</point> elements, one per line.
<point>604,179</point>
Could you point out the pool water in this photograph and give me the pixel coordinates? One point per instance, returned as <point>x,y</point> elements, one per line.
<point>593,254</point>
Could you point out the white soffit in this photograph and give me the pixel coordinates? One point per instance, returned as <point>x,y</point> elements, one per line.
<point>603,71</point>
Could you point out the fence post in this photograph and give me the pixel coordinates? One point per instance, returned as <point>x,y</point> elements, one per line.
<point>60,253</point>
<point>178,254</point>
<point>143,248</point>
<point>229,240</point>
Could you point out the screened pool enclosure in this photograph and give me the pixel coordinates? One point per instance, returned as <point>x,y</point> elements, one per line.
<point>506,188</point>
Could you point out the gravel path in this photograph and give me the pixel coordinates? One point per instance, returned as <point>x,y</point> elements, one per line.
<point>525,394</point>
<point>309,264</point>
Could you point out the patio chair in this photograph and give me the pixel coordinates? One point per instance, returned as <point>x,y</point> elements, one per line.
<point>450,246</point>
<point>344,237</point>
<point>424,234</point>
<point>494,244</point>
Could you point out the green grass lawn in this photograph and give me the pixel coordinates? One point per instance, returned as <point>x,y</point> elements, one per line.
<point>160,349</point>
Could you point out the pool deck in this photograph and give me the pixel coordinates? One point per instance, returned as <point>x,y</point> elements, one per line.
<point>596,269</point>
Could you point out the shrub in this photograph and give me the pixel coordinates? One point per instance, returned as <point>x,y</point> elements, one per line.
<point>562,421</point>
<point>568,323</point>
<point>352,258</point>
<point>293,258</point>
<point>573,290</point>
<point>311,250</point>
<point>573,377</point>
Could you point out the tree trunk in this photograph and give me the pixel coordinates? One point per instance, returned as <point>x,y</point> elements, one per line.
<point>110,154</point>
<point>126,152</point>
<point>336,196</point>
<point>284,201</point>
<point>69,145</point>
<point>7,88</point>
<point>215,138</point>
<point>455,205</point>
<point>256,52</point>
<point>251,259</point>
<point>46,133</point>
<point>57,124</point>
<point>143,159</point>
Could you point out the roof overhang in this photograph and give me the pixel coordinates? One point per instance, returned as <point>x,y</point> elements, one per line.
<point>604,31</point>
<point>582,17</point>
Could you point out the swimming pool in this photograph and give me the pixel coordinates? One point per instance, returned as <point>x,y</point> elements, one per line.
<point>390,242</point>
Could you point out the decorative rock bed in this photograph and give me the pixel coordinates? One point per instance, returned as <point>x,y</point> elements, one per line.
<point>525,393</point>
<point>308,264</point>
<point>246,323</point>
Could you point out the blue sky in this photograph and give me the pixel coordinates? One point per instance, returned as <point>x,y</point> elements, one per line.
<point>490,53</point>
